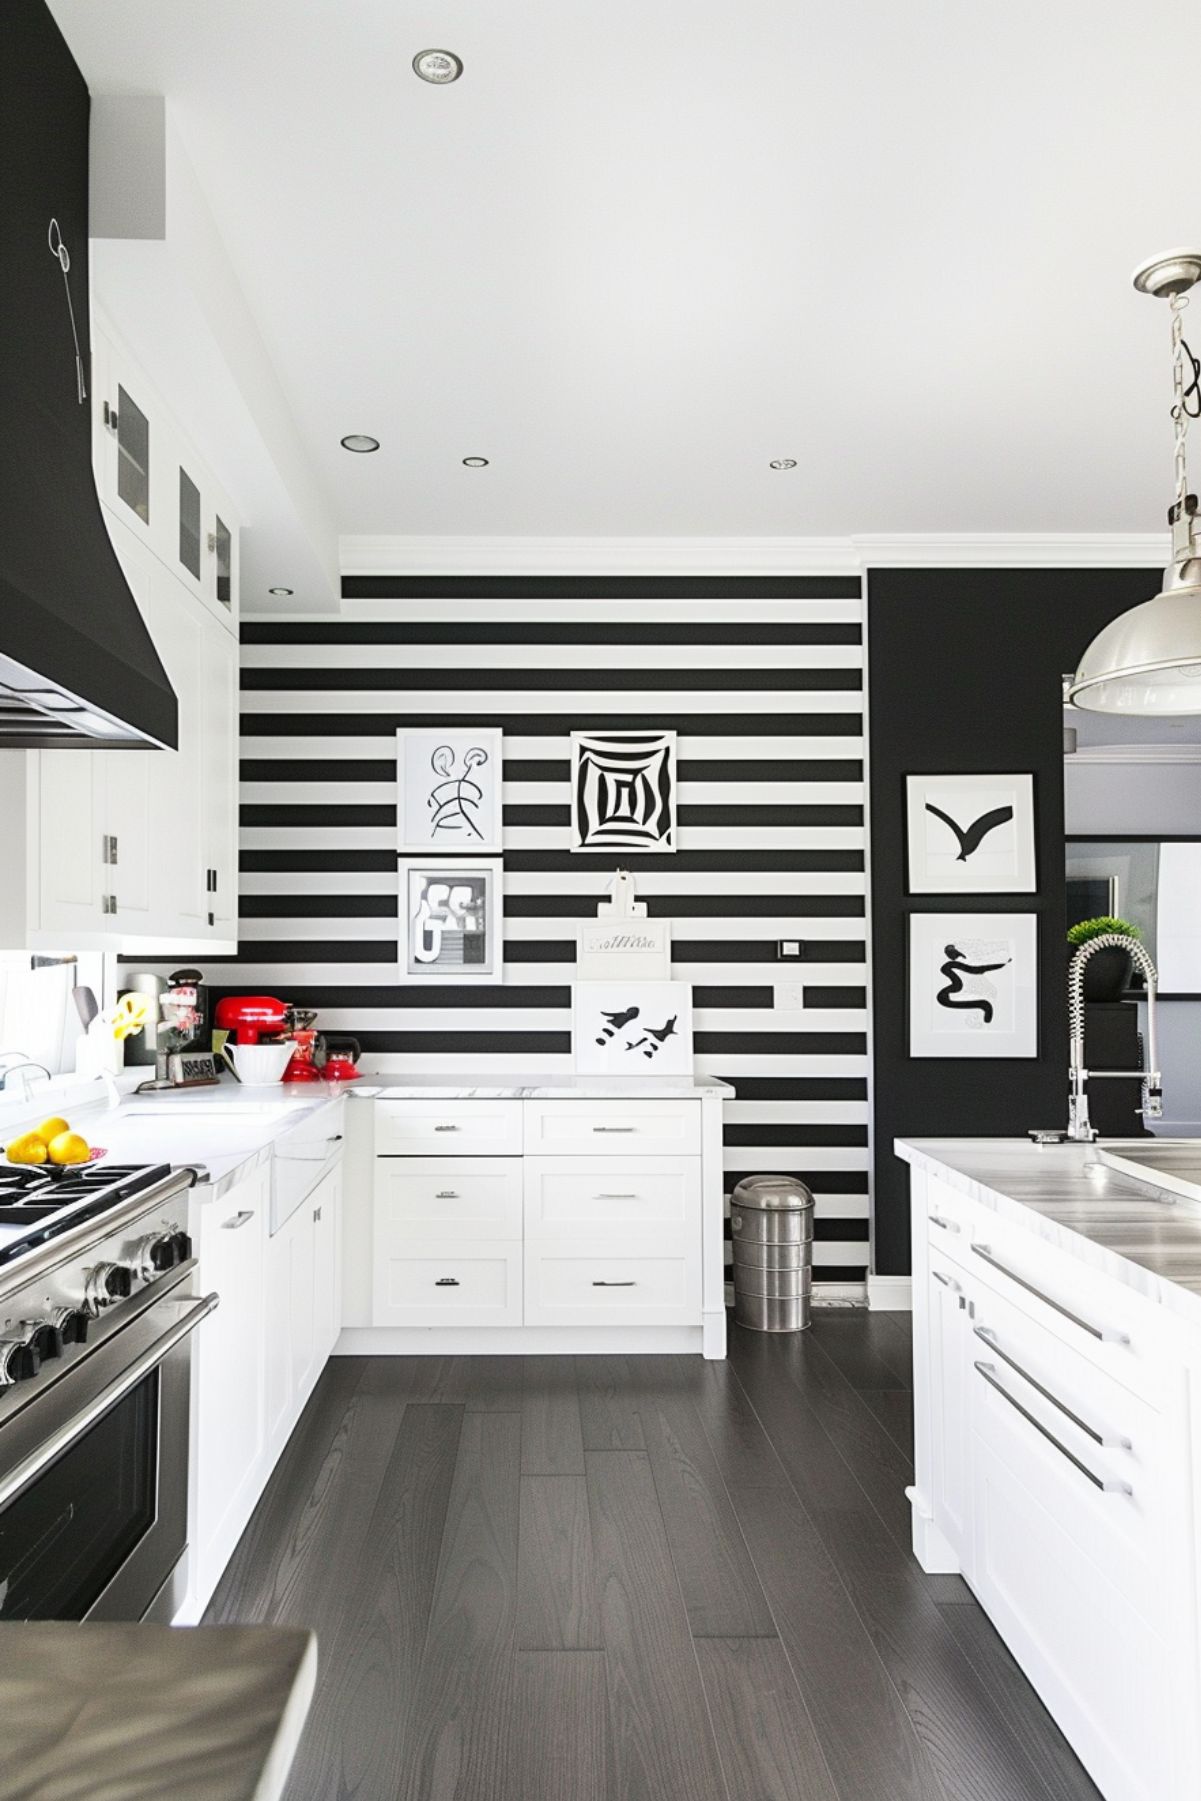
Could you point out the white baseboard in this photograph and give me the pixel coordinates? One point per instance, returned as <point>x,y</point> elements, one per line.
<point>890,1294</point>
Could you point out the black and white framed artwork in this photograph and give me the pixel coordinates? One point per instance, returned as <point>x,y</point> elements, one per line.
<point>450,920</point>
<point>971,834</point>
<point>448,790</point>
<point>623,791</point>
<point>633,1028</point>
<point>973,985</point>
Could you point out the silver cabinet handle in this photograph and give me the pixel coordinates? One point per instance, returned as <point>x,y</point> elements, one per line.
<point>316,1216</point>
<point>236,1221</point>
<point>334,1138</point>
<point>615,1285</point>
<point>447,1282</point>
<point>446,1128</point>
<point>615,1197</point>
<point>1098,1438</point>
<point>615,1128</point>
<point>948,1225</point>
<point>947,1281</point>
<point>1107,1334</point>
<point>447,1194</point>
<point>1109,1485</point>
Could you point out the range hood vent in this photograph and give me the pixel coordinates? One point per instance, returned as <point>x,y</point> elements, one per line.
<point>77,664</point>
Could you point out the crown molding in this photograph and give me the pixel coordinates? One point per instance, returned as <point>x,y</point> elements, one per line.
<point>396,554</point>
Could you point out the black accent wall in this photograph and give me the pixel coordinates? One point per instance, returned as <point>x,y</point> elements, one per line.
<point>964,671</point>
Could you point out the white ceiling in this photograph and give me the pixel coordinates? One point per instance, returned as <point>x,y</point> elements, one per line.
<point>644,246</point>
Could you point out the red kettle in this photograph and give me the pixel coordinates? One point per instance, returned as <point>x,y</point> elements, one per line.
<point>341,1055</point>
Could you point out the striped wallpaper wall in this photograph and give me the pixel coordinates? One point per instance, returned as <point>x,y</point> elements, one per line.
<point>761,680</point>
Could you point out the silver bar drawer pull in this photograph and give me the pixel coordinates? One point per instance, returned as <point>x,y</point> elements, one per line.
<point>1099,1438</point>
<point>447,1282</point>
<point>1107,1334</point>
<point>615,1128</point>
<point>615,1285</point>
<point>446,1128</point>
<point>615,1197</point>
<point>236,1221</point>
<point>1109,1485</point>
<point>947,1225</point>
<point>447,1194</point>
<point>947,1281</point>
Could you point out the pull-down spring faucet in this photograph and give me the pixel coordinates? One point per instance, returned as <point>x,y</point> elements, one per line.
<point>1079,1126</point>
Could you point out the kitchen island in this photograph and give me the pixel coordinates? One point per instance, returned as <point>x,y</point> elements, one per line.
<point>1057,1375</point>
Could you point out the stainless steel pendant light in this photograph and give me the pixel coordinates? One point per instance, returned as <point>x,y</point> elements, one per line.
<point>1148,661</point>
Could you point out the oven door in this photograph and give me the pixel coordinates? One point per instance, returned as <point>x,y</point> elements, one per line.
<point>94,1477</point>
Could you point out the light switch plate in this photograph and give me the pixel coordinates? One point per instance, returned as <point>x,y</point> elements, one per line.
<point>789,997</point>
<point>789,950</point>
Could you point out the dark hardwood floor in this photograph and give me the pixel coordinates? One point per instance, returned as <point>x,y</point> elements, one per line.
<point>633,1579</point>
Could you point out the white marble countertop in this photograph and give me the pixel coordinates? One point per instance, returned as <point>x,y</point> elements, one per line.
<point>540,1088</point>
<point>1138,1222</point>
<point>137,1712</point>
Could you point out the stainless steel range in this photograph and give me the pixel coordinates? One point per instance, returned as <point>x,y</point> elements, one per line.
<point>97,1306</point>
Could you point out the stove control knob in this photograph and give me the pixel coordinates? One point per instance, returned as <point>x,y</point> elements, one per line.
<point>153,1255</point>
<point>71,1324</point>
<point>183,1247</point>
<point>45,1336</point>
<point>106,1282</point>
<point>18,1361</point>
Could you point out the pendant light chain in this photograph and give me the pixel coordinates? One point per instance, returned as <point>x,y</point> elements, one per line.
<point>1186,398</point>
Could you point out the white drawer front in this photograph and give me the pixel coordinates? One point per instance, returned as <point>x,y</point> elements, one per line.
<point>454,1283</point>
<point>448,1128</point>
<point>593,1284</point>
<point>567,1196</point>
<point>419,1198</point>
<point>618,1128</point>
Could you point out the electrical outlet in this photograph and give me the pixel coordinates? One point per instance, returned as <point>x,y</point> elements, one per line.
<point>789,950</point>
<point>789,997</point>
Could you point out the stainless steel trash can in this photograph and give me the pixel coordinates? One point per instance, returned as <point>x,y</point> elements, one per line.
<point>771,1228</point>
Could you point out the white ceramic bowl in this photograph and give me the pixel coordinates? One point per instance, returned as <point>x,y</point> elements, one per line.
<point>258,1065</point>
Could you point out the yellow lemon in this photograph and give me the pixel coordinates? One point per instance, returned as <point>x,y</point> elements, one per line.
<point>26,1149</point>
<point>69,1147</point>
<point>50,1129</point>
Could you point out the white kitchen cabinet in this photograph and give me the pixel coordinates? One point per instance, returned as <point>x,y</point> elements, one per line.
<point>228,1439</point>
<point>217,845</point>
<point>302,1285</point>
<point>326,1205</point>
<point>949,1318</point>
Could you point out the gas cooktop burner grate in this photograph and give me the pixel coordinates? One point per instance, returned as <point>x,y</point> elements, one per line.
<point>31,1194</point>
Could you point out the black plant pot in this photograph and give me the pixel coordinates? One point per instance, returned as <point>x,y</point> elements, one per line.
<point>1107,974</point>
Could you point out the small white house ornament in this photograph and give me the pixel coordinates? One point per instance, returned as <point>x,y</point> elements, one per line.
<point>621,944</point>
<point>623,903</point>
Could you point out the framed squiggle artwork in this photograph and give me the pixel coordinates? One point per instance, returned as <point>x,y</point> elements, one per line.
<point>448,790</point>
<point>973,985</point>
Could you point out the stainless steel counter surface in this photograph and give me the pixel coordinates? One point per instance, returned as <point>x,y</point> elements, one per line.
<point>143,1713</point>
<point>1126,1207</point>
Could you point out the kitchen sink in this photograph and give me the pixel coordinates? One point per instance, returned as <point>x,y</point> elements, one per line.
<point>1171,1165</point>
<point>176,1110</point>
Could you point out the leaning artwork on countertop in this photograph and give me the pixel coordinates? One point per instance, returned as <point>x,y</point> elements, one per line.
<point>973,985</point>
<point>450,920</point>
<point>633,1028</point>
<point>971,834</point>
<point>448,789</point>
<point>623,791</point>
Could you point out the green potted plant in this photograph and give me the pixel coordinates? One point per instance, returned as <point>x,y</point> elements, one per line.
<point>1108,972</point>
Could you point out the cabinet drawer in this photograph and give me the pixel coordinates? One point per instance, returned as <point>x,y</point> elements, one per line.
<point>591,1283</point>
<point>452,1283</point>
<point>448,1128</point>
<point>612,1128</point>
<point>612,1196</point>
<point>421,1198</point>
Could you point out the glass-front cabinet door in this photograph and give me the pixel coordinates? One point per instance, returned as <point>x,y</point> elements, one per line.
<point>189,524</point>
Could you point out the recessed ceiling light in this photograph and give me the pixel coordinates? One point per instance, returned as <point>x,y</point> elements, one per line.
<point>281,590</point>
<point>475,462</point>
<point>784,463</point>
<point>359,442</point>
<point>438,66</point>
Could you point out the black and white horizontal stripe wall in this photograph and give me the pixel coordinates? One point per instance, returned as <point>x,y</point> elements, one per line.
<point>762,680</point>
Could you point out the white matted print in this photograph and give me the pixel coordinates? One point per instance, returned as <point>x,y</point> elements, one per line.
<point>623,791</point>
<point>633,1028</point>
<point>450,920</point>
<point>448,790</point>
<point>971,834</point>
<point>623,949</point>
<point>973,985</point>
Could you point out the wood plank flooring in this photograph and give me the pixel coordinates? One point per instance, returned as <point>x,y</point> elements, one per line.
<point>633,1579</point>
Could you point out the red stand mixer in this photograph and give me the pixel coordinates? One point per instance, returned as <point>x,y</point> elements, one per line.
<point>253,1018</point>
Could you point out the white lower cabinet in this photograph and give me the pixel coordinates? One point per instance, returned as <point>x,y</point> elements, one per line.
<point>1053,1468</point>
<point>258,1356</point>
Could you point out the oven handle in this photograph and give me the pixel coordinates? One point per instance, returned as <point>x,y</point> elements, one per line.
<point>14,1480</point>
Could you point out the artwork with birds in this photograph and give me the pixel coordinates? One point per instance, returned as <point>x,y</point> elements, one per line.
<point>971,837</point>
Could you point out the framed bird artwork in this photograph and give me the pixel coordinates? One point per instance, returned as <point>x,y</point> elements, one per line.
<point>633,1028</point>
<point>971,834</point>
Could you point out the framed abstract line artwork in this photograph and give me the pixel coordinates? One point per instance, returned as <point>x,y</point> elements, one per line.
<point>450,920</point>
<point>973,985</point>
<point>623,791</point>
<point>448,790</point>
<point>971,834</point>
<point>633,1028</point>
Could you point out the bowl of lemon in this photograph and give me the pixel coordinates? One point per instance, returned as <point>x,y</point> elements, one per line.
<point>52,1144</point>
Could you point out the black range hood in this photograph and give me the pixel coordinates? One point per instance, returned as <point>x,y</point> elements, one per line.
<point>77,665</point>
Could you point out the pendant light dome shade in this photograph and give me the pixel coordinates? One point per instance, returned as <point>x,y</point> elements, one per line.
<point>1148,661</point>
